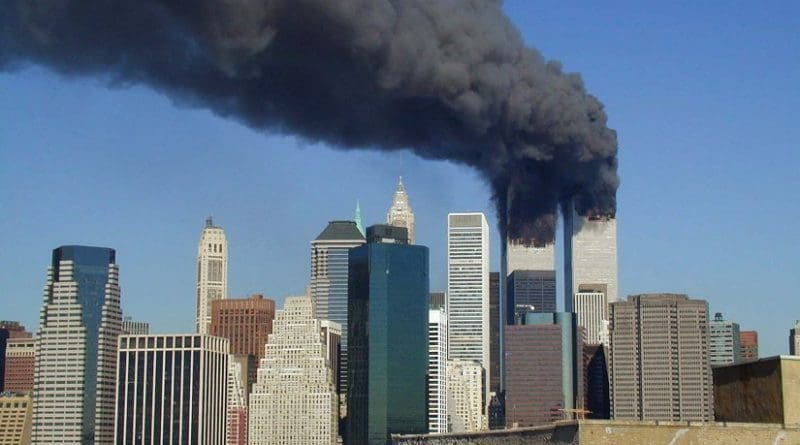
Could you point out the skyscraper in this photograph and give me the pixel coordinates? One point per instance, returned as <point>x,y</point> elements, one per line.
<point>468,290</point>
<point>794,339</point>
<point>171,389</point>
<point>437,371</point>
<point>212,272</point>
<point>400,213</point>
<point>724,343</point>
<point>20,361</point>
<point>133,327</point>
<point>388,331</point>
<point>598,401</point>
<point>591,307</point>
<point>749,343</point>
<point>495,324</point>
<point>73,393</point>
<point>237,406</point>
<point>530,291</point>
<point>9,330</point>
<point>465,396</point>
<point>659,361</point>
<point>294,399</point>
<point>328,287</point>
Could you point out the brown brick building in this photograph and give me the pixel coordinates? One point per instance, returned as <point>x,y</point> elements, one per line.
<point>9,330</point>
<point>748,341</point>
<point>20,357</point>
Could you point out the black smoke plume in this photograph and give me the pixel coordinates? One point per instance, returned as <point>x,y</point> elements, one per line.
<point>448,79</point>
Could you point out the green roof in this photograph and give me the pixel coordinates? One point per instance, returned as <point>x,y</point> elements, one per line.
<point>341,230</point>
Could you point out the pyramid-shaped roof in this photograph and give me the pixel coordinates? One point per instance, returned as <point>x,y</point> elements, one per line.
<point>341,230</point>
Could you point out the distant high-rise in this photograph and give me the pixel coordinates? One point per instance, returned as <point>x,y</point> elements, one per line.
<point>530,257</point>
<point>748,341</point>
<point>544,368</point>
<point>294,401</point>
<point>468,290</point>
<point>8,330</point>
<point>437,300</point>
<point>598,401</point>
<point>723,340</point>
<point>237,406</point>
<point>171,389</point>
<point>590,305</point>
<point>659,361</point>
<point>328,286</point>
<point>15,419</point>
<point>400,213</point>
<point>388,338</point>
<point>133,327</point>
<point>530,291</point>
<point>465,396</point>
<point>212,272</point>
<point>76,351</point>
<point>20,361</point>
<point>437,371</point>
<point>495,325</point>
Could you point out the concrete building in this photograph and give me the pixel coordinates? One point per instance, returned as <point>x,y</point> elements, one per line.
<point>76,351</point>
<point>465,396</point>
<point>530,291</point>
<point>794,339</point>
<point>468,291</point>
<point>328,285</point>
<point>544,369</point>
<point>591,308</point>
<point>400,213</point>
<point>212,272</point>
<point>15,419</point>
<point>133,327</point>
<point>8,330</point>
<point>659,361</point>
<point>294,400</point>
<point>237,406</point>
<point>723,340</point>
<point>20,362</point>
<point>437,371</point>
<point>171,389</point>
<point>748,340</point>
<point>495,325</point>
<point>388,350</point>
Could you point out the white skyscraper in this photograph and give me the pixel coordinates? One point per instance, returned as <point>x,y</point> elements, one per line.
<point>400,213</point>
<point>294,399</point>
<point>437,371</point>
<point>212,272</point>
<point>468,290</point>
<point>465,396</point>
<point>591,309</point>
<point>724,344</point>
<point>80,320</point>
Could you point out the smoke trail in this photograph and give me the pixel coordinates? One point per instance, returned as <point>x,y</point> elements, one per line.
<point>448,79</point>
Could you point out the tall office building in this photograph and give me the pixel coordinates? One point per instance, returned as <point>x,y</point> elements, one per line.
<point>495,324</point>
<point>723,340</point>
<point>659,361</point>
<point>388,330</point>
<point>468,290</point>
<point>400,213</point>
<point>530,291</point>
<point>20,361</point>
<point>794,339</point>
<point>76,351</point>
<point>15,419</point>
<point>171,389</point>
<point>591,307</point>
<point>133,327</point>
<point>328,287</point>
<point>465,396</point>
<point>212,272</point>
<point>294,399</point>
<point>544,369</point>
<point>521,257</point>
<point>748,340</point>
<point>598,401</point>
<point>437,371</point>
<point>8,330</point>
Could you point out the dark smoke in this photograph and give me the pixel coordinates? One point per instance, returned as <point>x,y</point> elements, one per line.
<point>449,79</point>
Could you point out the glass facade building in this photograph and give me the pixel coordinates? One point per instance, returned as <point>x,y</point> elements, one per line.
<point>388,350</point>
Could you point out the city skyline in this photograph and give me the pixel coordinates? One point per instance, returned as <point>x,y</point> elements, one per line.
<point>701,215</point>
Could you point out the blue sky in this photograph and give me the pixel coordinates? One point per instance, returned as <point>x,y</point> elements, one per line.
<point>703,96</point>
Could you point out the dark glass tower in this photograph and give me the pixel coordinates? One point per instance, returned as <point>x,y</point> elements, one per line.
<point>530,291</point>
<point>388,330</point>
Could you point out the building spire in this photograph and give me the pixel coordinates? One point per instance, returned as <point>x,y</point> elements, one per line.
<point>209,222</point>
<point>400,187</point>
<point>359,224</point>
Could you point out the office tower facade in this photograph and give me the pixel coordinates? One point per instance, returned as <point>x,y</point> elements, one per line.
<point>400,213</point>
<point>20,361</point>
<point>133,327</point>
<point>465,396</point>
<point>332,338</point>
<point>544,369</point>
<point>468,290</point>
<point>171,389</point>
<point>591,307</point>
<point>438,300</point>
<point>794,339</point>
<point>598,401</point>
<point>237,407</point>
<point>212,272</point>
<point>530,291</point>
<point>388,331</point>
<point>437,371</point>
<point>328,285</point>
<point>495,324</point>
<point>294,399</point>
<point>723,340</point>
<point>748,340</point>
<point>659,361</point>
<point>15,419</point>
<point>76,351</point>
<point>8,330</point>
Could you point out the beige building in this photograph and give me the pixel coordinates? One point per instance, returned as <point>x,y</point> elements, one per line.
<point>294,401</point>
<point>659,360</point>
<point>400,213</point>
<point>212,272</point>
<point>465,396</point>
<point>15,420</point>
<point>794,339</point>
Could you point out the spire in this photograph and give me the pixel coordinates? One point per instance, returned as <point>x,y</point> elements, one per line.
<point>209,222</point>
<point>400,187</point>
<point>359,224</point>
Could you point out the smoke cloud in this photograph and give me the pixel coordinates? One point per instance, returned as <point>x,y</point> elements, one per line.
<point>448,79</point>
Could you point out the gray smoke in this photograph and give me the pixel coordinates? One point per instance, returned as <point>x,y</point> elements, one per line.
<point>448,79</point>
